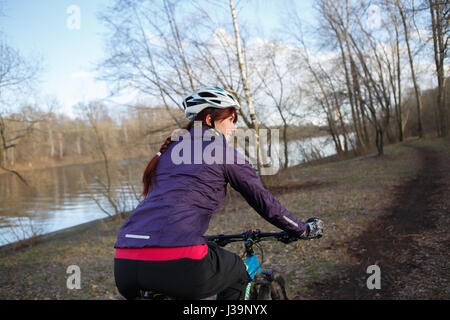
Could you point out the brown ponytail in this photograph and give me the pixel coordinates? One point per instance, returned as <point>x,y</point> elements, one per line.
<point>149,176</point>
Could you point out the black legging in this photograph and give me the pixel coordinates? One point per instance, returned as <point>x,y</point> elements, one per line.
<point>220,272</point>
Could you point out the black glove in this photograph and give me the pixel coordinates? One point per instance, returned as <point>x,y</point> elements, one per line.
<point>314,228</point>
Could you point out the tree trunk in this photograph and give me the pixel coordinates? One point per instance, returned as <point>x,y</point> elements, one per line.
<point>79,145</point>
<point>286,153</point>
<point>348,82</point>
<point>380,142</point>
<point>413,74</point>
<point>245,84</point>
<point>439,56</point>
<point>178,42</point>
<point>52,142</point>
<point>13,157</point>
<point>61,145</point>
<point>399,87</point>
<point>333,133</point>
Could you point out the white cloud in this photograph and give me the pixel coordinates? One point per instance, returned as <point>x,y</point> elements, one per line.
<point>420,34</point>
<point>81,75</point>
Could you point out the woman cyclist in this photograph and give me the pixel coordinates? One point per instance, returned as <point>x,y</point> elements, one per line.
<point>161,247</point>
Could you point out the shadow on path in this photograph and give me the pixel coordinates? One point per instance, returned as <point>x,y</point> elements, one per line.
<point>389,241</point>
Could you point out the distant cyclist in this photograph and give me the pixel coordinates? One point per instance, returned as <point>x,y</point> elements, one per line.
<point>161,247</point>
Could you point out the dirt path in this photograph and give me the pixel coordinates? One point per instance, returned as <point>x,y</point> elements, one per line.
<point>409,243</point>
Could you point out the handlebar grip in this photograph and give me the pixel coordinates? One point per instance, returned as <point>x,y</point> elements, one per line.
<point>286,237</point>
<point>255,235</point>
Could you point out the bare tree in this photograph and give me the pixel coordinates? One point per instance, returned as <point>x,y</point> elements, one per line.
<point>93,112</point>
<point>337,19</point>
<point>151,49</point>
<point>327,87</point>
<point>16,73</point>
<point>401,9</point>
<point>395,68</point>
<point>280,83</point>
<point>145,51</point>
<point>439,12</point>
<point>367,68</point>
<point>216,59</point>
<point>245,83</point>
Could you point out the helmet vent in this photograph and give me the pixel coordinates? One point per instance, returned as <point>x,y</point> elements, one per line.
<point>194,103</point>
<point>207,95</point>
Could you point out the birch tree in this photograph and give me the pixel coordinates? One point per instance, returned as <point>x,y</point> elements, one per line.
<point>243,71</point>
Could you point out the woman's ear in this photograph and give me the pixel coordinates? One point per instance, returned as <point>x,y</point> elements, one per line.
<point>208,120</point>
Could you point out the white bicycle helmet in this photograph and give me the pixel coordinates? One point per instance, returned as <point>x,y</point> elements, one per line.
<point>208,97</point>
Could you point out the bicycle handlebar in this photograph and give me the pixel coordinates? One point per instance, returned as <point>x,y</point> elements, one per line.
<point>253,235</point>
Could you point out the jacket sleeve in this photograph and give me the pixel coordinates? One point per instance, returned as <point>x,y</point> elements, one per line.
<point>244,179</point>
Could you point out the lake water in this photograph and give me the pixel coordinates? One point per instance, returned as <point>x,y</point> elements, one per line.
<point>63,197</point>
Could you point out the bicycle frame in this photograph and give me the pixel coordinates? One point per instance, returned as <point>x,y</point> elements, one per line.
<point>250,238</point>
<point>253,269</point>
<point>251,262</point>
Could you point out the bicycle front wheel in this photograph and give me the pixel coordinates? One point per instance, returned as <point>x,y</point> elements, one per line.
<point>264,292</point>
<point>278,288</point>
<point>272,287</point>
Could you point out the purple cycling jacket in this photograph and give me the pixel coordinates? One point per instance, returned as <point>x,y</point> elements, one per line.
<point>190,186</point>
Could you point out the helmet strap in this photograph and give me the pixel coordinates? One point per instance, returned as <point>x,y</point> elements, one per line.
<point>212,117</point>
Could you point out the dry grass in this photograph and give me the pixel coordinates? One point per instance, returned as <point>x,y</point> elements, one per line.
<point>348,195</point>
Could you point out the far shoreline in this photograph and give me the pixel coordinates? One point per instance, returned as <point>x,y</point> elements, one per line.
<point>24,244</point>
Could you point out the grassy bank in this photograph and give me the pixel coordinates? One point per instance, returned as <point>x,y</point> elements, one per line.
<point>348,195</point>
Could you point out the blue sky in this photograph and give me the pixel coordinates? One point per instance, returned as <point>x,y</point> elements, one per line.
<point>38,28</point>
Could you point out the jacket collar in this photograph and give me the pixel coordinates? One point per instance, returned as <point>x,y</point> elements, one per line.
<point>206,127</point>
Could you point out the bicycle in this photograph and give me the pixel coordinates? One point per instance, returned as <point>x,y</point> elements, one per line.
<point>265,285</point>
